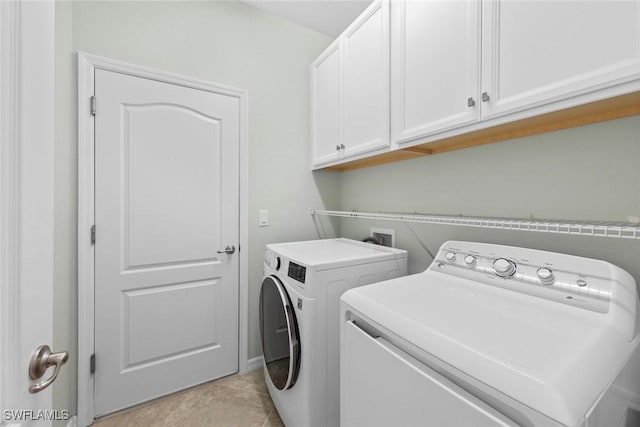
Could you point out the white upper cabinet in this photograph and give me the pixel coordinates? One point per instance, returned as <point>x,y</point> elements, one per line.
<point>366,82</point>
<point>350,90</point>
<point>538,52</point>
<point>417,72</point>
<point>435,66</point>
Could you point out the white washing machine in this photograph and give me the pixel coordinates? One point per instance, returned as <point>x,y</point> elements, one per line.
<point>300,320</point>
<point>493,335</point>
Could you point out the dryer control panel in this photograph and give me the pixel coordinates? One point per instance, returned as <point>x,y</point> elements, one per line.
<point>275,263</point>
<point>297,272</point>
<point>576,281</point>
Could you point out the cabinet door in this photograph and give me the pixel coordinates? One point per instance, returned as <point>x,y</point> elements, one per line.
<point>366,83</point>
<point>435,66</point>
<point>326,106</point>
<point>538,52</point>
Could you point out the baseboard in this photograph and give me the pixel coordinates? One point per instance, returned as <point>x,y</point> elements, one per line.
<point>255,363</point>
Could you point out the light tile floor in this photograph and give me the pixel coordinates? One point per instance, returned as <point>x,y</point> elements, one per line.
<point>233,401</point>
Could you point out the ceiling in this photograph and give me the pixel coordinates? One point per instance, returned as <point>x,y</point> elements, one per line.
<point>329,17</point>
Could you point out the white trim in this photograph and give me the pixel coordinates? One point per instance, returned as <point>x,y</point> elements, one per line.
<point>85,250</point>
<point>9,200</point>
<point>243,253</point>
<point>255,364</point>
<point>87,64</point>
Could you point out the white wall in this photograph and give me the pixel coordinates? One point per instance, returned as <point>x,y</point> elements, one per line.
<point>229,43</point>
<point>589,173</point>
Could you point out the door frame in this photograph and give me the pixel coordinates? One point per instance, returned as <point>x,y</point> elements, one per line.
<point>26,196</point>
<point>9,196</point>
<point>87,64</point>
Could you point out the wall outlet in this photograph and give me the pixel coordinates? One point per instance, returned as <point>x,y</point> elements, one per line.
<point>384,236</point>
<point>263,220</point>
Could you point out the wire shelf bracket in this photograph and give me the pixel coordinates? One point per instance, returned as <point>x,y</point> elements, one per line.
<point>616,230</point>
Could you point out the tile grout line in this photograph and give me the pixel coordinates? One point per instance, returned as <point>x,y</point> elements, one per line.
<point>268,416</point>
<point>240,389</point>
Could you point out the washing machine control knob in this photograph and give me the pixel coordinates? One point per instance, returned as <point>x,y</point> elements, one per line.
<point>450,256</point>
<point>470,260</point>
<point>545,275</point>
<point>503,267</point>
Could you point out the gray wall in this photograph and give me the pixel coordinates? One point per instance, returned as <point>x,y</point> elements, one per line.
<point>589,173</point>
<point>229,43</point>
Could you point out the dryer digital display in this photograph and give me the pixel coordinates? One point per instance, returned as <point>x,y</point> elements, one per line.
<point>297,272</point>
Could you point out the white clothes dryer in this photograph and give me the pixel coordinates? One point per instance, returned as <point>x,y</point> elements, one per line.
<point>493,335</point>
<point>300,320</point>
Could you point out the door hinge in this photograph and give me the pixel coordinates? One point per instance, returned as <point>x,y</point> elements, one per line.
<point>93,234</point>
<point>93,105</point>
<point>92,363</point>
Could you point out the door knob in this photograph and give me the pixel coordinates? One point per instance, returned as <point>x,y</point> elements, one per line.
<point>228,250</point>
<point>41,360</point>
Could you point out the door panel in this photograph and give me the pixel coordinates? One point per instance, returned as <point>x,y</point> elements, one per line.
<point>166,217</point>
<point>152,335</point>
<point>167,199</point>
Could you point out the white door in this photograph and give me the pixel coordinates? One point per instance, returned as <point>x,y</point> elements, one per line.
<point>435,67</point>
<point>26,209</point>
<point>166,207</point>
<point>537,52</point>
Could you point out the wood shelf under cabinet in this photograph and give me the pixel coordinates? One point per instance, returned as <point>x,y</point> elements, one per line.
<point>595,112</point>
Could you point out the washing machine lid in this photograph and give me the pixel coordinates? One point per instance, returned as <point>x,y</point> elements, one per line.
<point>551,357</point>
<point>335,253</point>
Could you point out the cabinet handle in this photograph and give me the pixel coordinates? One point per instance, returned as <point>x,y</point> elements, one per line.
<point>471,102</point>
<point>485,97</point>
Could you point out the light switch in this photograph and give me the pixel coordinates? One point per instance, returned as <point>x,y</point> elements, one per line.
<point>264,218</point>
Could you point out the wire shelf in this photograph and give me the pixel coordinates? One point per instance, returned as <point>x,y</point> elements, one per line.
<point>615,230</point>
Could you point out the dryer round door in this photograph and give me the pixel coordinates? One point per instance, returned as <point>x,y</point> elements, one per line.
<point>279,334</point>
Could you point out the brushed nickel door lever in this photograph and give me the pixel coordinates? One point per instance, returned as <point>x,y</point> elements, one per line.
<point>41,360</point>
